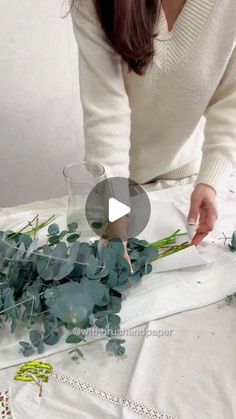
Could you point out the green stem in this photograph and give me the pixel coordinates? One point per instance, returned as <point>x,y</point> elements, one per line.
<point>37,222</point>
<point>40,226</point>
<point>174,249</point>
<point>166,240</point>
<point>23,228</point>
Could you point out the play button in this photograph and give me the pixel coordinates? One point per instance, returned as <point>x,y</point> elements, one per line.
<point>117,207</point>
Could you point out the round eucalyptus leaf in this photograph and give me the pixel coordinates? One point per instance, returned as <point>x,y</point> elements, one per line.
<point>51,339</point>
<point>53,229</point>
<point>72,227</point>
<point>72,237</point>
<point>114,346</point>
<point>114,322</point>
<point>134,278</point>
<point>91,267</point>
<point>35,337</point>
<point>151,253</point>
<point>44,269</point>
<point>71,307</point>
<point>49,295</point>
<point>122,277</point>
<point>115,304</point>
<point>233,241</point>
<point>24,238</point>
<point>94,289</point>
<point>60,251</point>
<point>47,250</point>
<point>102,273</point>
<point>62,234</point>
<point>74,339</point>
<point>21,251</point>
<point>63,270</point>
<point>111,346</point>
<point>26,349</point>
<point>33,246</point>
<point>25,345</point>
<point>102,322</point>
<point>84,253</point>
<point>108,258</point>
<point>120,351</point>
<point>54,240</point>
<point>112,279</point>
<point>40,347</point>
<point>74,251</point>
<point>147,269</point>
<point>14,270</point>
<point>133,243</point>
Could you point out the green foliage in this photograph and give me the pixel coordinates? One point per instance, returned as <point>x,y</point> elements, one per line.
<point>66,282</point>
<point>113,346</point>
<point>232,246</point>
<point>229,299</point>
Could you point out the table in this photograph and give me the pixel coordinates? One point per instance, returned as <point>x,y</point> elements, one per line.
<point>187,372</point>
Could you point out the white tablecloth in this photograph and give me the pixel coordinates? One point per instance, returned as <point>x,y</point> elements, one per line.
<point>188,374</point>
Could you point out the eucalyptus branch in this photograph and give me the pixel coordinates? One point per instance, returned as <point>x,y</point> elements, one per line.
<point>52,277</point>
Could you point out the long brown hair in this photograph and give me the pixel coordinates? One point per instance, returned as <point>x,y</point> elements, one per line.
<point>129,27</point>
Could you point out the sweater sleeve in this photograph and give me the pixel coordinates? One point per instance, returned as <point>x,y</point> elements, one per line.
<point>219,147</point>
<point>104,99</point>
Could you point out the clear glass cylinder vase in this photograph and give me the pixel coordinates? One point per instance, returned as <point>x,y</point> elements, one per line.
<point>81,178</point>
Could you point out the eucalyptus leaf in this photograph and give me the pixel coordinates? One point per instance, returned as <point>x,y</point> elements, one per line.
<point>60,251</point>
<point>63,270</point>
<point>232,246</point>
<point>71,305</point>
<point>32,247</point>
<point>94,289</point>
<point>72,227</point>
<point>51,338</point>
<point>114,346</point>
<point>54,240</point>
<point>35,337</point>
<point>72,237</point>
<point>91,267</point>
<point>74,251</point>
<point>26,348</point>
<point>53,229</point>
<point>74,339</point>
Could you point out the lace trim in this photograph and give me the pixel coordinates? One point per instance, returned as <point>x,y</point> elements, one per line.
<point>130,404</point>
<point>5,408</point>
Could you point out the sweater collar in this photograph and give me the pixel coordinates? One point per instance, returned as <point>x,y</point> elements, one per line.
<point>172,45</point>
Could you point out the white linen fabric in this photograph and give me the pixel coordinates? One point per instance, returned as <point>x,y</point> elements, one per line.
<point>188,374</point>
<point>127,117</point>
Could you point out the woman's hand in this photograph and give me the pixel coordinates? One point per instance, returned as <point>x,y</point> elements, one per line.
<point>203,206</point>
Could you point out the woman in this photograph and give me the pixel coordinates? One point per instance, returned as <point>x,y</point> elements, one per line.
<point>150,71</point>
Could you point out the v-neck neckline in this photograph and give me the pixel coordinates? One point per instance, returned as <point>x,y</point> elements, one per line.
<point>163,13</point>
<point>171,46</point>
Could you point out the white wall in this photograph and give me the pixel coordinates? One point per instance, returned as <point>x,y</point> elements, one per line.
<point>40,110</point>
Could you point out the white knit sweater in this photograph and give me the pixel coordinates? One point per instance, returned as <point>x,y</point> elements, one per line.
<point>155,125</point>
